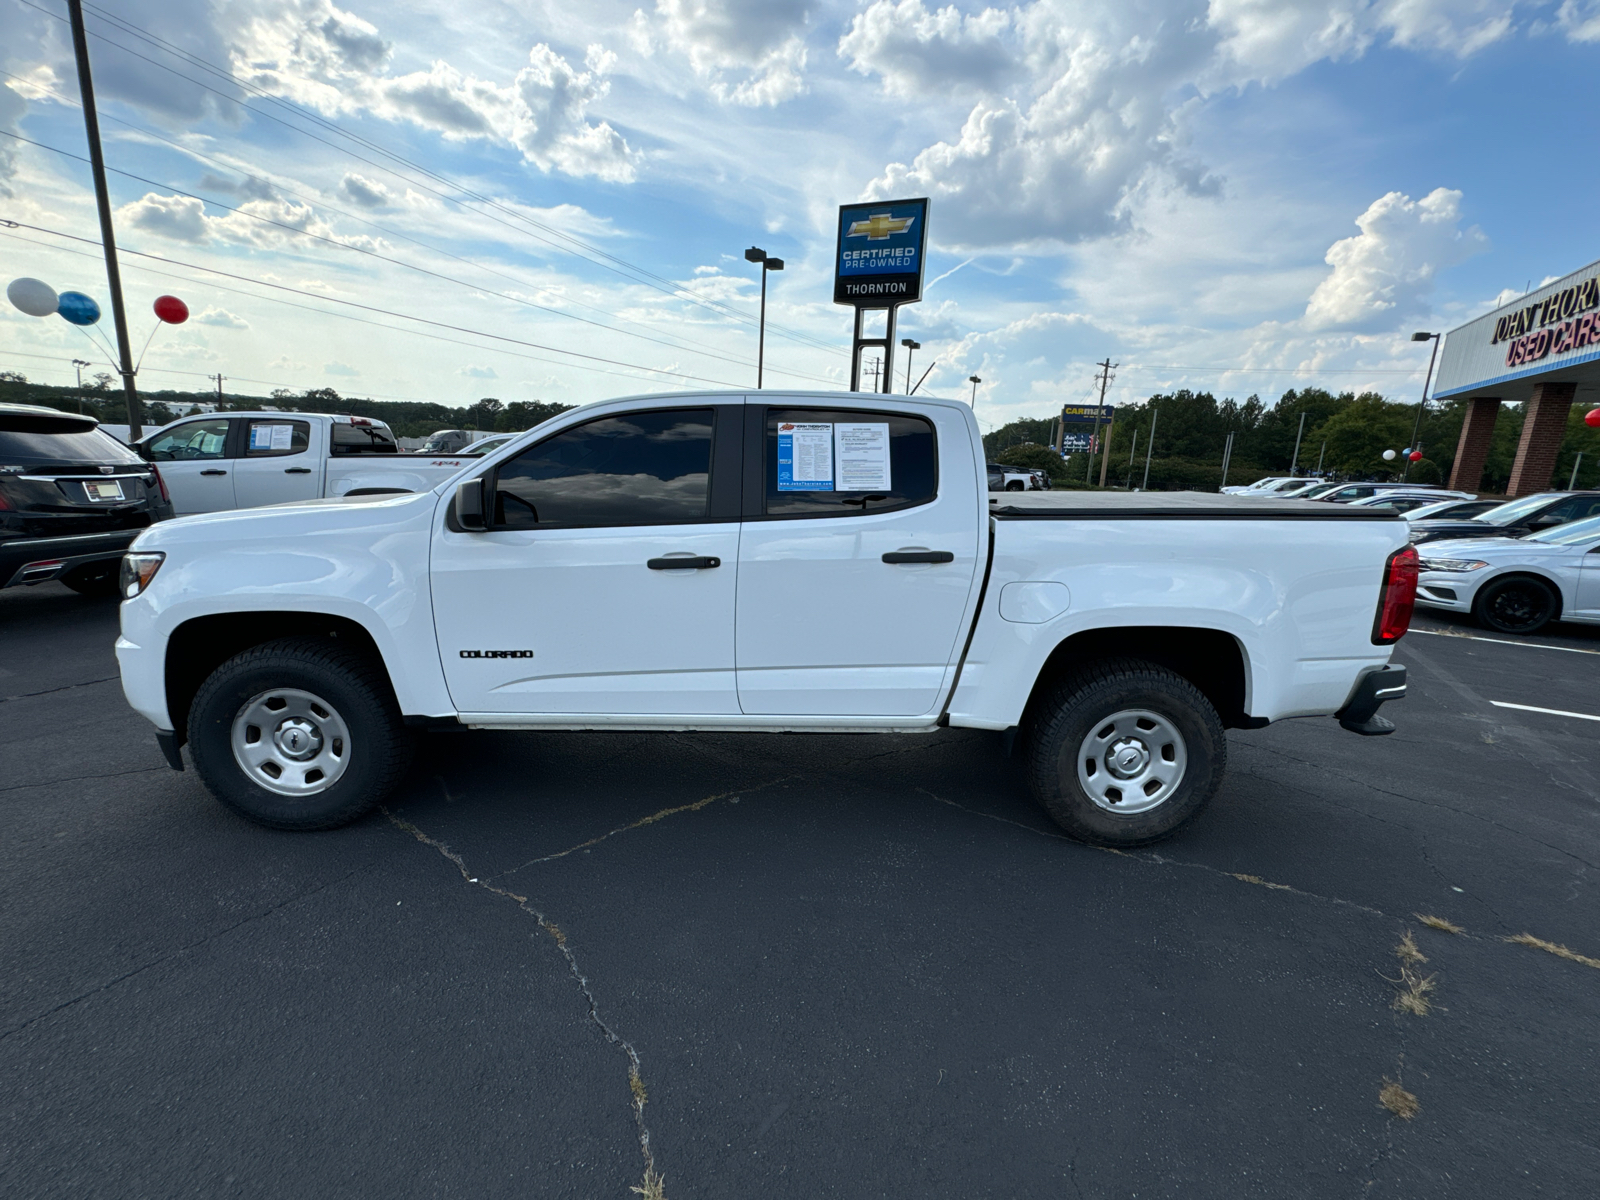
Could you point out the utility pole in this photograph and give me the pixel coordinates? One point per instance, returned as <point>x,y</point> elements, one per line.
<point>1105,381</point>
<point>1227,453</point>
<point>1295,461</point>
<point>108,241</point>
<point>1132,450</point>
<point>219,389</point>
<point>1149,446</point>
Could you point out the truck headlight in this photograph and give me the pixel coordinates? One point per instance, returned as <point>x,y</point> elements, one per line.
<point>137,572</point>
<point>1452,564</point>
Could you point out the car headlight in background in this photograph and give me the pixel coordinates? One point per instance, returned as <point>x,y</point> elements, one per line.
<point>1452,564</point>
<point>137,572</point>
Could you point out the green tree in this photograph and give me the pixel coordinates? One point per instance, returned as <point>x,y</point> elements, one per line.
<point>1033,457</point>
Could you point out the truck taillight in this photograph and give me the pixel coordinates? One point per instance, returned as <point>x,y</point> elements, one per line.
<point>161,483</point>
<point>1398,598</point>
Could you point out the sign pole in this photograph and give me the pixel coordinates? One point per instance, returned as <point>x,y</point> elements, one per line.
<point>108,241</point>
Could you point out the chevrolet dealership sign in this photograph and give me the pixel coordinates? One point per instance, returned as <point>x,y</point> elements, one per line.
<point>881,249</point>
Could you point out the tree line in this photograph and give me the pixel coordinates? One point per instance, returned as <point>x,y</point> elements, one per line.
<point>1346,434</point>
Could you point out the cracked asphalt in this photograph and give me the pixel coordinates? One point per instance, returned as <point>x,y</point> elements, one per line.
<point>846,966</point>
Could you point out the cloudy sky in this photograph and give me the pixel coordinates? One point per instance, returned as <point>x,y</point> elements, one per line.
<point>1239,196</point>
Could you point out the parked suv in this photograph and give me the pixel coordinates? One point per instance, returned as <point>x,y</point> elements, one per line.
<point>71,499</point>
<point>1514,518</point>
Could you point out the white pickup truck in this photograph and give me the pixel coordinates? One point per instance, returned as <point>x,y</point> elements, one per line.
<point>223,461</point>
<point>776,562</point>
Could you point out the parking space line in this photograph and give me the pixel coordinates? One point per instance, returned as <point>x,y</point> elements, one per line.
<point>1473,637</point>
<point>1554,712</point>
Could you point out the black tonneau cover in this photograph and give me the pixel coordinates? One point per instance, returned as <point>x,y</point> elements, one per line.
<point>1167,506</point>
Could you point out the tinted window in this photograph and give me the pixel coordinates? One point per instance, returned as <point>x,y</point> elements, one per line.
<point>19,448</point>
<point>362,439</point>
<point>265,439</point>
<point>1576,509</point>
<point>831,446</point>
<point>644,468</point>
<point>189,441</point>
<point>1513,511</point>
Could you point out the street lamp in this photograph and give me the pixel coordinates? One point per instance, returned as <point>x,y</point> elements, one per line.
<point>910,346</point>
<point>80,364</point>
<point>756,255</point>
<point>1422,336</point>
<point>974,381</point>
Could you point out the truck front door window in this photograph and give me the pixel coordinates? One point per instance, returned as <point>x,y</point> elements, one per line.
<point>195,465</point>
<point>647,468</point>
<point>576,575</point>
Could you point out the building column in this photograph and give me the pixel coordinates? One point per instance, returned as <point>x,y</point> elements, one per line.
<point>1472,449</point>
<point>1544,424</point>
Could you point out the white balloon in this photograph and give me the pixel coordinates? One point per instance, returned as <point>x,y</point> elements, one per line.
<point>32,296</point>
<point>1388,456</point>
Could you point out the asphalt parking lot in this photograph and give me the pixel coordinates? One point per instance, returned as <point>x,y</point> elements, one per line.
<point>820,966</point>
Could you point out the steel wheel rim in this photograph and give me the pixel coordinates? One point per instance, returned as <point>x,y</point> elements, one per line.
<point>1132,761</point>
<point>291,742</point>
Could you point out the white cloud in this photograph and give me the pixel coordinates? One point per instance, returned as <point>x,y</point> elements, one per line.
<point>1386,272</point>
<point>263,224</point>
<point>915,50</point>
<point>751,52</point>
<point>339,368</point>
<point>363,192</point>
<point>12,106</point>
<point>478,372</point>
<point>181,218</point>
<point>1579,20</point>
<point>221,318</point>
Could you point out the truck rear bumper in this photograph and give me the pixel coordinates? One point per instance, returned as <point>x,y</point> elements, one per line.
<point>1374,689</point>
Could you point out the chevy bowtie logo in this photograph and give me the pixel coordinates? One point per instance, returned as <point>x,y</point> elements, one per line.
<point>497,654</point>
<point>879,227</point>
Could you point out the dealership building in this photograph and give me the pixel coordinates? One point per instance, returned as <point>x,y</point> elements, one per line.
<point>1541,351</point>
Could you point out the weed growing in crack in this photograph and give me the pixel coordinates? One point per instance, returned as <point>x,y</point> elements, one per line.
<point>1560,951</point>
<point>1407,951</point>
<point>1438,923</point>
<point>1397,1100</point>
<point>1413,994</point>
<point>654,1187</point>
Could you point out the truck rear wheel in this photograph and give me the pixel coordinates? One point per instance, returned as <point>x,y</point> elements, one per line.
<point>1125,752</point>
<point>298,733</point>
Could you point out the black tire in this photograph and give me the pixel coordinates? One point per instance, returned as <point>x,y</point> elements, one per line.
<point>1082,706</point>
<point>98,579</point>
<point>350,685</point>
<point>1014,486</point>
<point>1518,604</point>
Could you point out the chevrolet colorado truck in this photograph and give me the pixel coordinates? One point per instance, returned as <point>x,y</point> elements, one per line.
<point>227,460</point>
<point>793,562</point>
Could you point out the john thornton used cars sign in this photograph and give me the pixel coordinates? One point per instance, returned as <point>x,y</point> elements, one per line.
<point>881,249</point>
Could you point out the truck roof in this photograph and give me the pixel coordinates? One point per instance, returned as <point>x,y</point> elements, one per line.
<point>1174,505</point>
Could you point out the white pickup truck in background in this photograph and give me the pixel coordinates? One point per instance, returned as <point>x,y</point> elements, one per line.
<point>222,461</point>
<point>769,562</point>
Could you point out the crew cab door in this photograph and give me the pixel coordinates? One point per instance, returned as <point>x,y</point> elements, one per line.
<point>195,461</point>
<point>280,460</point>
<point>576,600</point>
<point>841,612</point>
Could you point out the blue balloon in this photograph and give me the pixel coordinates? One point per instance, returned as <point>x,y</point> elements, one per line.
<point>78,308</point>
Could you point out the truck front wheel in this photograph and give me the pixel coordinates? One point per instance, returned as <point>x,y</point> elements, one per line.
<point>1125,752</point>
<point>298,733</point>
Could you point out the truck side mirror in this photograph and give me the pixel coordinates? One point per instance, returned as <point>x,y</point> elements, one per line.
<point>469,505</point>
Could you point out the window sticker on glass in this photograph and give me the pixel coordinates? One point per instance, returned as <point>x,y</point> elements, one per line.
<point>861,456</point>
<point>805,457</point>
<point>271,437</point>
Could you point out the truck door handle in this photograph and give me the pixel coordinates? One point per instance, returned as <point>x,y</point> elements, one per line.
<point>297,470</point>
<point>682,564</point>
<point>919,556</point>
<point>213,471</point>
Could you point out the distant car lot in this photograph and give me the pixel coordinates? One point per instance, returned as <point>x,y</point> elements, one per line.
<point>847,965</point>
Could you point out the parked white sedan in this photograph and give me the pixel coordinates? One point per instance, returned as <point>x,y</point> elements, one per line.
<point>1516,585</point>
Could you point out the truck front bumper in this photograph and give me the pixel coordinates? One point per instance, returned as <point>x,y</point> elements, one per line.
<point>1374,689</point>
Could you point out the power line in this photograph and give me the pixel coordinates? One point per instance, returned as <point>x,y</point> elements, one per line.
<point>400,262</point>
<point>687,344</point>
<point>375,309</point>
<point>621,267</point>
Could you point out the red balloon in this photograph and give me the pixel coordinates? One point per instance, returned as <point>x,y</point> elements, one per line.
<point>171,310</point>
<point>1416,456</point>
<point>1592,418</point>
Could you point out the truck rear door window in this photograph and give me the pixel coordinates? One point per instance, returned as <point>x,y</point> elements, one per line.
<point>643,468</point>
<point>842,462</point>
<point>268,439</point>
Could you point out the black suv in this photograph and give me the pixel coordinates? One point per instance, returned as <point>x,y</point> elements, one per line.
<point>71,499</point>
<point>1514,518</point>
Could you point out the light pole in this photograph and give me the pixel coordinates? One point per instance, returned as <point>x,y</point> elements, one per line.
<point>974,381</point>
<point>80,364</point>
<point>910,346</point>
<point>757,255</point>
<point>1416,429</point>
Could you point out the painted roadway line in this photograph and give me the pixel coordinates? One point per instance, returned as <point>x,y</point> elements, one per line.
<point>1554,712</point>
<point>1473,637</point>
